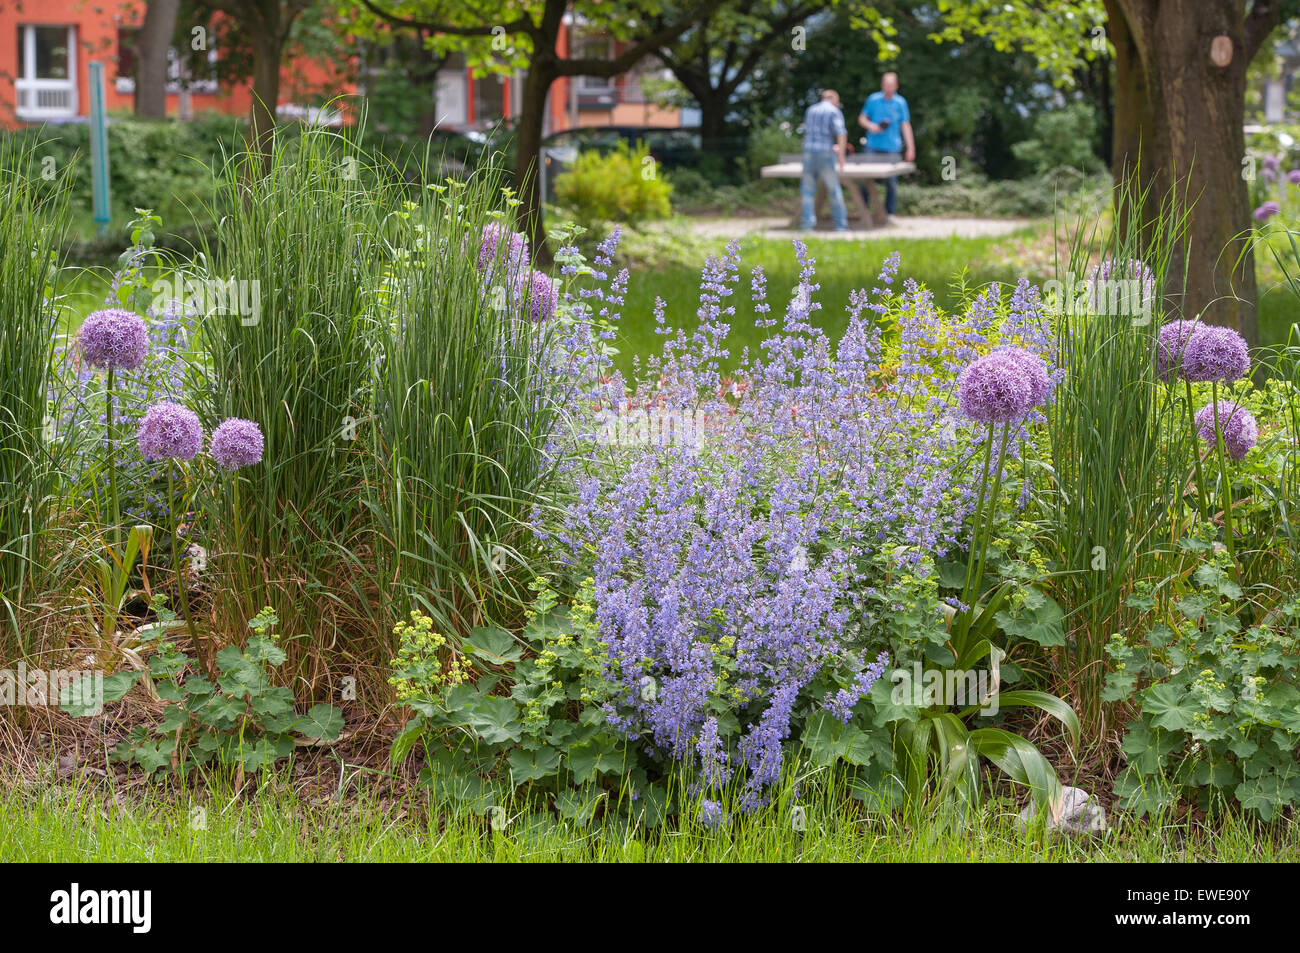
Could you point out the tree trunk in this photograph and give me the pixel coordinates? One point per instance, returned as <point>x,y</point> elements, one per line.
<point>713,118</point>
<point>268,43</point>
<point>1178,127</point>
<point>152,41</point>
<point>528,144</point>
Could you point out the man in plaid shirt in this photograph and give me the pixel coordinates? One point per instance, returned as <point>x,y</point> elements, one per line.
<point>824,141</point>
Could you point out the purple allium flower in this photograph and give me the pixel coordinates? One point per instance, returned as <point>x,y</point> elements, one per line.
<point>1170,345</point>
<point>1267,211</point>
<point>1238,426</point>
<point>169,431</point>
<point>1003,386</point>
<point>538,294</point>
<point>1271,164</point>
<point>1214,353</point>
<point>237,443</point>
<point>114,338</point>
<point>1293,176</point>
<point>515,254</point>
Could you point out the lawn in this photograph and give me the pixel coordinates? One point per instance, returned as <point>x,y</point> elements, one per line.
<point>77,820</point>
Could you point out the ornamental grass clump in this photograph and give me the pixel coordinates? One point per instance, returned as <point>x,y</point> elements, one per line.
<point>304,227</point>
<point>33,221</point>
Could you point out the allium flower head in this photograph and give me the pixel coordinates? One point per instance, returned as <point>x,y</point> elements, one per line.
<point>169,431</point>
<point>1267,211</point>
<point>1293,176</point>
<point>237,443</point>
<point>1215,354</point>
<point>515,254</point>
<point>114,338</point>
<point>1003,386</point>
<point>1171,344</point>
<point>1240,431</point>
<point>1271,164</point>
<point>537,292</point>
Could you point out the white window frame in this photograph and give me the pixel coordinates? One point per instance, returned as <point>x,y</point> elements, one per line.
<point>60,95</point>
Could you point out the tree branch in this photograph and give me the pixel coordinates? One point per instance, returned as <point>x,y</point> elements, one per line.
<point>522,24</point>
<point>589,66</point>
<point>1263,17</point>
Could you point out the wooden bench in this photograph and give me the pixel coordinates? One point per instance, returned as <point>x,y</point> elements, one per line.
<point>857,168</point>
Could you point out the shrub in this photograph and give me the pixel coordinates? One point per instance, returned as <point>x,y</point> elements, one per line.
<point>1062,138</point>
<point>620,186</point>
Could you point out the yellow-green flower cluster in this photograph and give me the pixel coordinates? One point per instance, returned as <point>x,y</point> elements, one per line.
<point>417,669</point>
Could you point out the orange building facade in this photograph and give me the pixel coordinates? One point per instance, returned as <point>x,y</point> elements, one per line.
<point>46,47</point>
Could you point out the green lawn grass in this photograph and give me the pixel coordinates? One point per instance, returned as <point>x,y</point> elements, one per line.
<point>842,267</point>
<point>81,821</point>
<point>845,266</point>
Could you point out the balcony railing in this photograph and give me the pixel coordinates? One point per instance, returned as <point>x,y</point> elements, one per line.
<point>46,98</point>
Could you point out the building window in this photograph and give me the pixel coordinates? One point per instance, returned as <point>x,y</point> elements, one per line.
<point>203,78</point>
<point>46,85</point>
<point>126,40</point>
<point>595,90</point>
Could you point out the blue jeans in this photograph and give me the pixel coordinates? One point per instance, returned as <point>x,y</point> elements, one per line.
<point>891,184</point>
<point>821,167</point>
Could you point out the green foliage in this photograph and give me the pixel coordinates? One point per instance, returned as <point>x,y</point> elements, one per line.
<point>1217,703</point>
<point>533,723</point>
<point>464,403</point>
<point>305,232</point>
<point>242,719</point>
<point>33,217</point>
<point>152,164</point>
<point>618,186</point>
<point>1061,138</point>
<point>1117,447</point>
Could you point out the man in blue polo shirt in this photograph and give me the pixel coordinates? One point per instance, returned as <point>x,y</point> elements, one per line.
<point>824,143</point>
<point>888,122</point>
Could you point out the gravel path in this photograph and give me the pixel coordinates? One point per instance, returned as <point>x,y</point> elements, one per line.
<point>909,227</point>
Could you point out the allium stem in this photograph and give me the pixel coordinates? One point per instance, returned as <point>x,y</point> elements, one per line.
<point>982,522</point>
<point>992,508</point>
<point>1226,477</point>
<point>177,563</point>
<point>1196,453</point>
<point>112,465</point>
